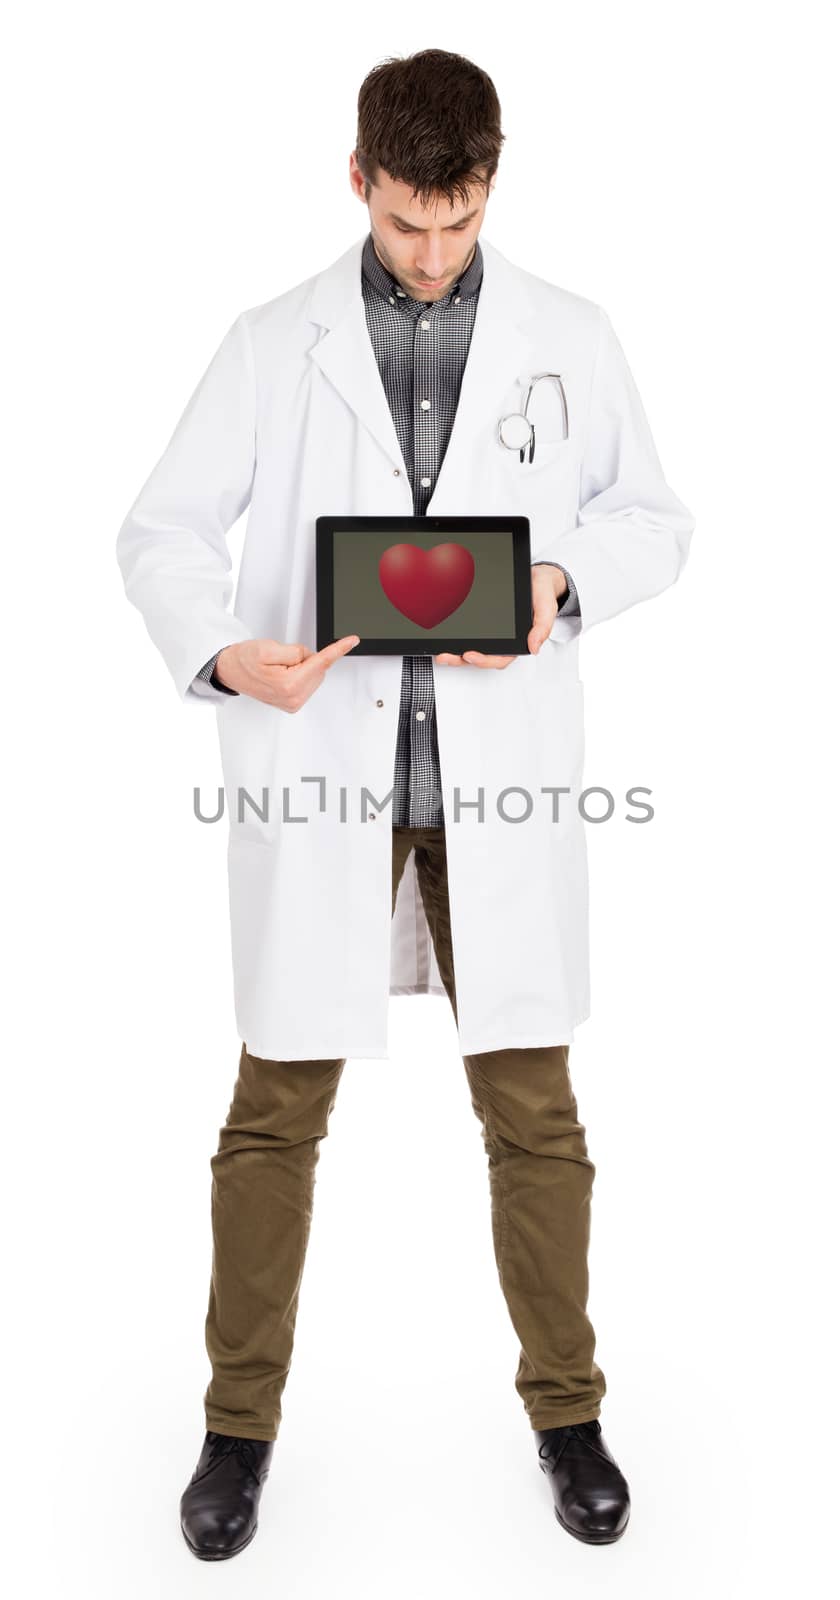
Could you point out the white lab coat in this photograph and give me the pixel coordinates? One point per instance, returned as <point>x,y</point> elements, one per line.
<point>292,420</point>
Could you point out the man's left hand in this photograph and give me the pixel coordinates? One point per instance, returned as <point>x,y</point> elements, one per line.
<point>548,585</point>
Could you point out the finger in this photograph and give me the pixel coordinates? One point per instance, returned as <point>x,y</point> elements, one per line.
<point>476,658</point>
<point>309,674</point>
<point>333,652</point>
<point>282,655</point>
<point>544,620</point>
<point>447,660</point>
<point>540,634</point>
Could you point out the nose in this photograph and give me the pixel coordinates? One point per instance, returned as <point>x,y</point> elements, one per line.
<point>432,267</point>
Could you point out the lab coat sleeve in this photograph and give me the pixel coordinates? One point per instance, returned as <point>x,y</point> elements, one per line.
<point>172,547</point>
<point>632,534</point>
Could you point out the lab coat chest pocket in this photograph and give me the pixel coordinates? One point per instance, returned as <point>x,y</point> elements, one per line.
<point>544,490</point>
<point>549,453</point>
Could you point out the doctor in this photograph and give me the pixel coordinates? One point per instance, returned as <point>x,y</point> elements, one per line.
<point>403,825</point>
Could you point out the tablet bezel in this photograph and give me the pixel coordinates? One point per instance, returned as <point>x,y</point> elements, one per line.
<point>519,527</point>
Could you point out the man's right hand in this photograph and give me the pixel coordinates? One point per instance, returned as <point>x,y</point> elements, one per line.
<point>282,675</point>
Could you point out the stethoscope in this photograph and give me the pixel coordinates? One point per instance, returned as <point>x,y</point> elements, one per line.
<point>516,431</point>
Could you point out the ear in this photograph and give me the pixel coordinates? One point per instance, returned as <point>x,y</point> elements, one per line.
<point>357,182</point>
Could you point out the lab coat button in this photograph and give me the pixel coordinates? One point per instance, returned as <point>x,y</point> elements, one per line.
<point>396,472</point>
<point>380,702</point>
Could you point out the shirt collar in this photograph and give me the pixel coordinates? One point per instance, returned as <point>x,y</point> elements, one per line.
<point>385,284</point>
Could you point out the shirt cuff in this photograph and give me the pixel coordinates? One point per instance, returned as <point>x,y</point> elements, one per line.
<point>208,674</point>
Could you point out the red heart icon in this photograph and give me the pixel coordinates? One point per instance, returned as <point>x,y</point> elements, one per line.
<point>426,585</point>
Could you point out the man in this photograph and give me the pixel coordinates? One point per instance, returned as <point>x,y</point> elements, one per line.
<point>368,390</point>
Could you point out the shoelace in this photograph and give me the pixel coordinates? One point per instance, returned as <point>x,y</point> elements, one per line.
<point>552,1449</point>
<point>225,1445</point>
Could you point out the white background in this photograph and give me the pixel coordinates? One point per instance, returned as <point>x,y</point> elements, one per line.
<point>166,167</point>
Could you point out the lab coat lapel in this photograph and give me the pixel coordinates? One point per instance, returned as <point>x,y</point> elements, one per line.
<point>345,354</point>
<point>497,355</point>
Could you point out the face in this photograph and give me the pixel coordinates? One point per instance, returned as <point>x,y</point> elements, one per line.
<point>426,250</point>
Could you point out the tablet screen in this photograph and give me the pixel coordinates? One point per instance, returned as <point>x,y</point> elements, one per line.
<point>396,587</point>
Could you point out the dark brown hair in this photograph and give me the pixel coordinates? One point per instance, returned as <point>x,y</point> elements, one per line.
<point>431,119</point>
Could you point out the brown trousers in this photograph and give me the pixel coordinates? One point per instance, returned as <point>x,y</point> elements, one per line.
<point>263,1177</point>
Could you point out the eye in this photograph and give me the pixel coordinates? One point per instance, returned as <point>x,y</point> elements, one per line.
<point>457,227</point>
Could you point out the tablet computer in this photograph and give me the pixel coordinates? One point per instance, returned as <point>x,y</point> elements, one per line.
<point>420,585</point>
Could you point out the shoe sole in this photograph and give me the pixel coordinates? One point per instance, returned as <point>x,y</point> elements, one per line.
<point>219,1555</point>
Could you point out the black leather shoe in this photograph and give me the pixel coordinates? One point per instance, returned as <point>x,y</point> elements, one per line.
<point>219,1505</point>
<point>591,1494</point>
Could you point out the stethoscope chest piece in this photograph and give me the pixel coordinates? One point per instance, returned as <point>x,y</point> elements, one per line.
<point>517,432</point>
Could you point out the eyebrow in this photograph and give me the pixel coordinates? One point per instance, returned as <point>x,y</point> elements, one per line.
<point>392,217</point>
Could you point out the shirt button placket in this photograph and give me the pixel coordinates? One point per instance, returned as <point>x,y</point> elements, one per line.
<point>424,391</point>
<point>426,449</point>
